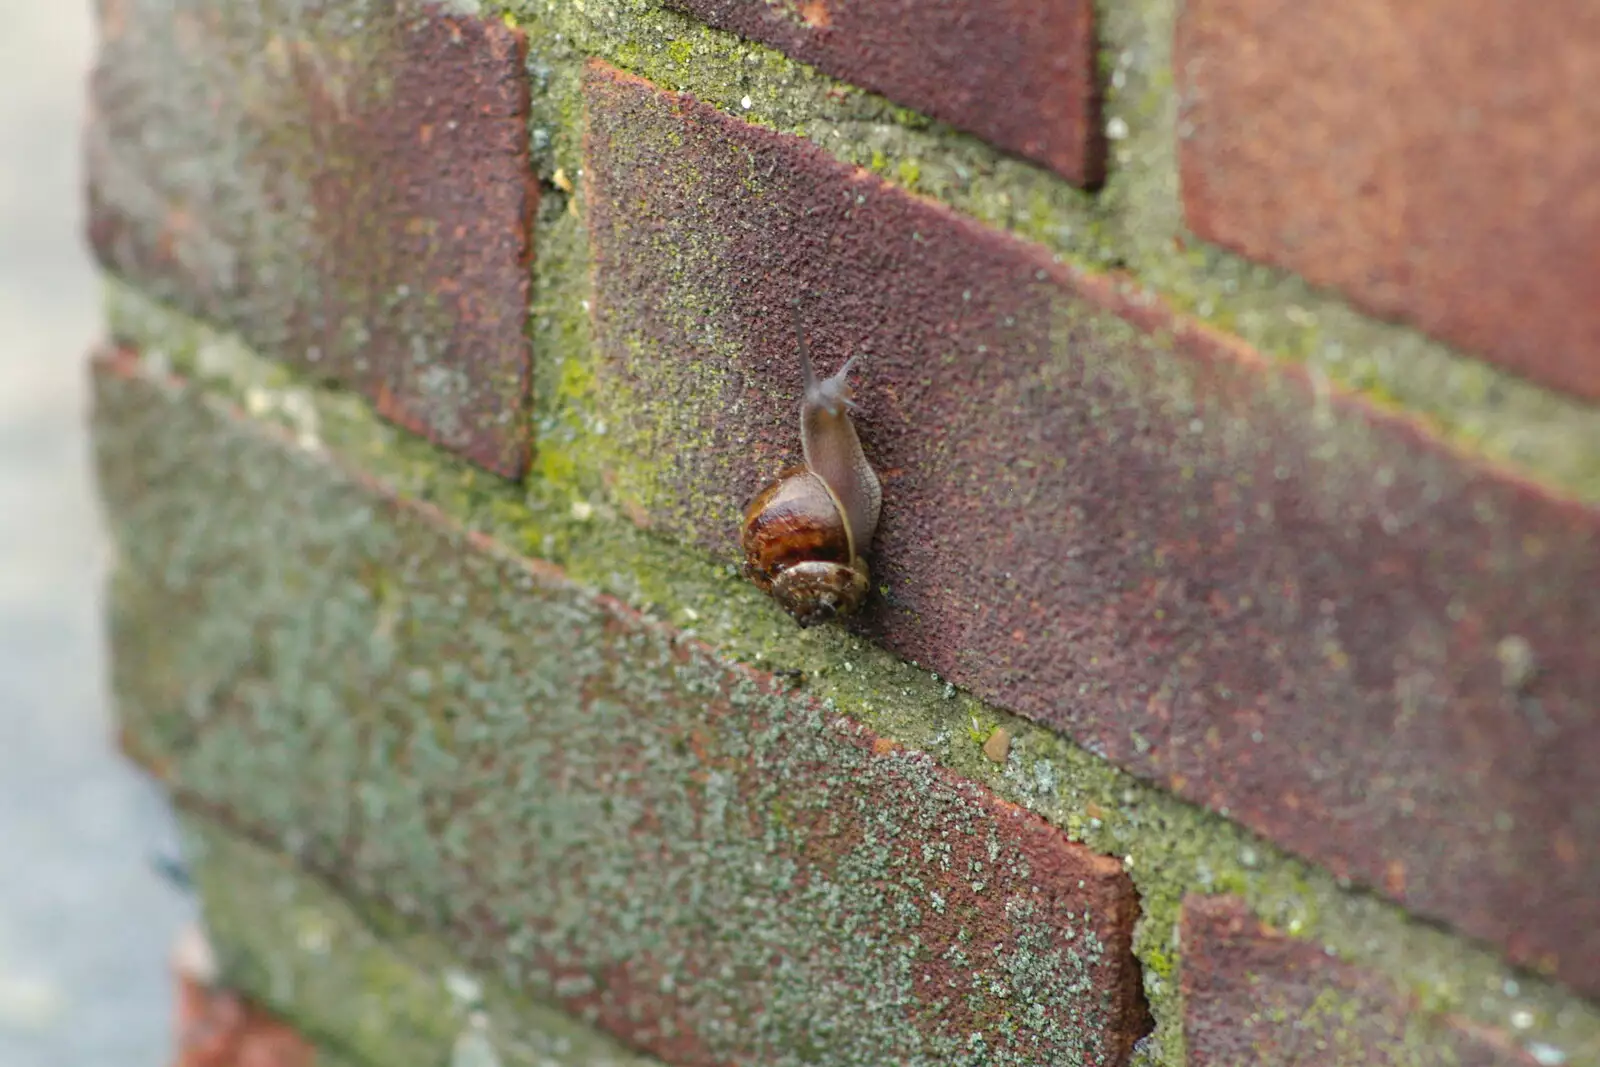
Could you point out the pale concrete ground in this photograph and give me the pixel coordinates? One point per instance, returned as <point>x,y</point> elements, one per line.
<point>85,923</point>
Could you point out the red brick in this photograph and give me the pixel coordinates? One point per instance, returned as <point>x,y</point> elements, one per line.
<point>353,197</point>
<point>1018,73</point>
<point>1212,570</point>
<point>1253,996</point>
<point>218,1028</point>
<point>1435,161</point>
<point>682,851</point>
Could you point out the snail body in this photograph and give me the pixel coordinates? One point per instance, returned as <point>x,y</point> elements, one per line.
<point>806,535</point>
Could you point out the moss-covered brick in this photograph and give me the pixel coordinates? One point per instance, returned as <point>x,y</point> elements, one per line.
<point>681,851</point>
<point>1169,847</point>
<point>1133,223</point>
<point>364,982</point>
<point>1254,996</point>
<point>1469,210</point>
<point>587,476</point>
<point>1236,581</point>
<point>1019,74</point>
<point>348,185</point>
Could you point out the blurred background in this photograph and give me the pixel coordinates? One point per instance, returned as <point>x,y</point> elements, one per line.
<point>85,921</point>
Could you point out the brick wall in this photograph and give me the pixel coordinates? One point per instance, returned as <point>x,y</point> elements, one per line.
<point>1227,691</point>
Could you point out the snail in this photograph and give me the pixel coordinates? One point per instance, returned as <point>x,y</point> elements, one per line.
<point>805,536</point>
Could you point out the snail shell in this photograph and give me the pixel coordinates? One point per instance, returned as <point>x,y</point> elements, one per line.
<point>805,535</point>
<point>798,547</point>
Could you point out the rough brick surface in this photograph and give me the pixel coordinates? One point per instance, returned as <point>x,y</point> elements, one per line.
<point>386,994</point>
<point>680,851</point>
<point>1217,573</point>
<point>347,185</point>
<point>1018,73</point>
<point>1434,160</point>
<point>1252,996</point>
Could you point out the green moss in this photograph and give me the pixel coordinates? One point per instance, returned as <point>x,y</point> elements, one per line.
<point>1160,962</point>
<point>283,90</point>
<point>364,983</point>
<point>1174,848</point>
<point>461,739</point>
<point>572,512</point>
<point>1134,223</point>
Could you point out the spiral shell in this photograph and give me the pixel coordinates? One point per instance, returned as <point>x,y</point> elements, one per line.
<point>798,547</point>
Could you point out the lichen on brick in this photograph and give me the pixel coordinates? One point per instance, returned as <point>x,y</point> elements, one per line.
<point>367,984</point>
<point>1177,847</point>
<point>315,201</point>
<point>570,514</point>
<point>1250,992</point>
<point>1133,224</point>
<point>1136,509</point>
<point>367,681</point>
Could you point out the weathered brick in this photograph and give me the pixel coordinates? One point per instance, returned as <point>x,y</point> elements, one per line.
<point>1435,161</point>
<point>383,992</point>
<point>1017,73</point>
<point>1251,995</point>
<point>677,849</point>
<point>347,185</point>
<point>1220,573</point>
<point>218,1028</point>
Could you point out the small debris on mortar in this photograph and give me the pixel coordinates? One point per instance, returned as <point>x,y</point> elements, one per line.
<point>998,747</point>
